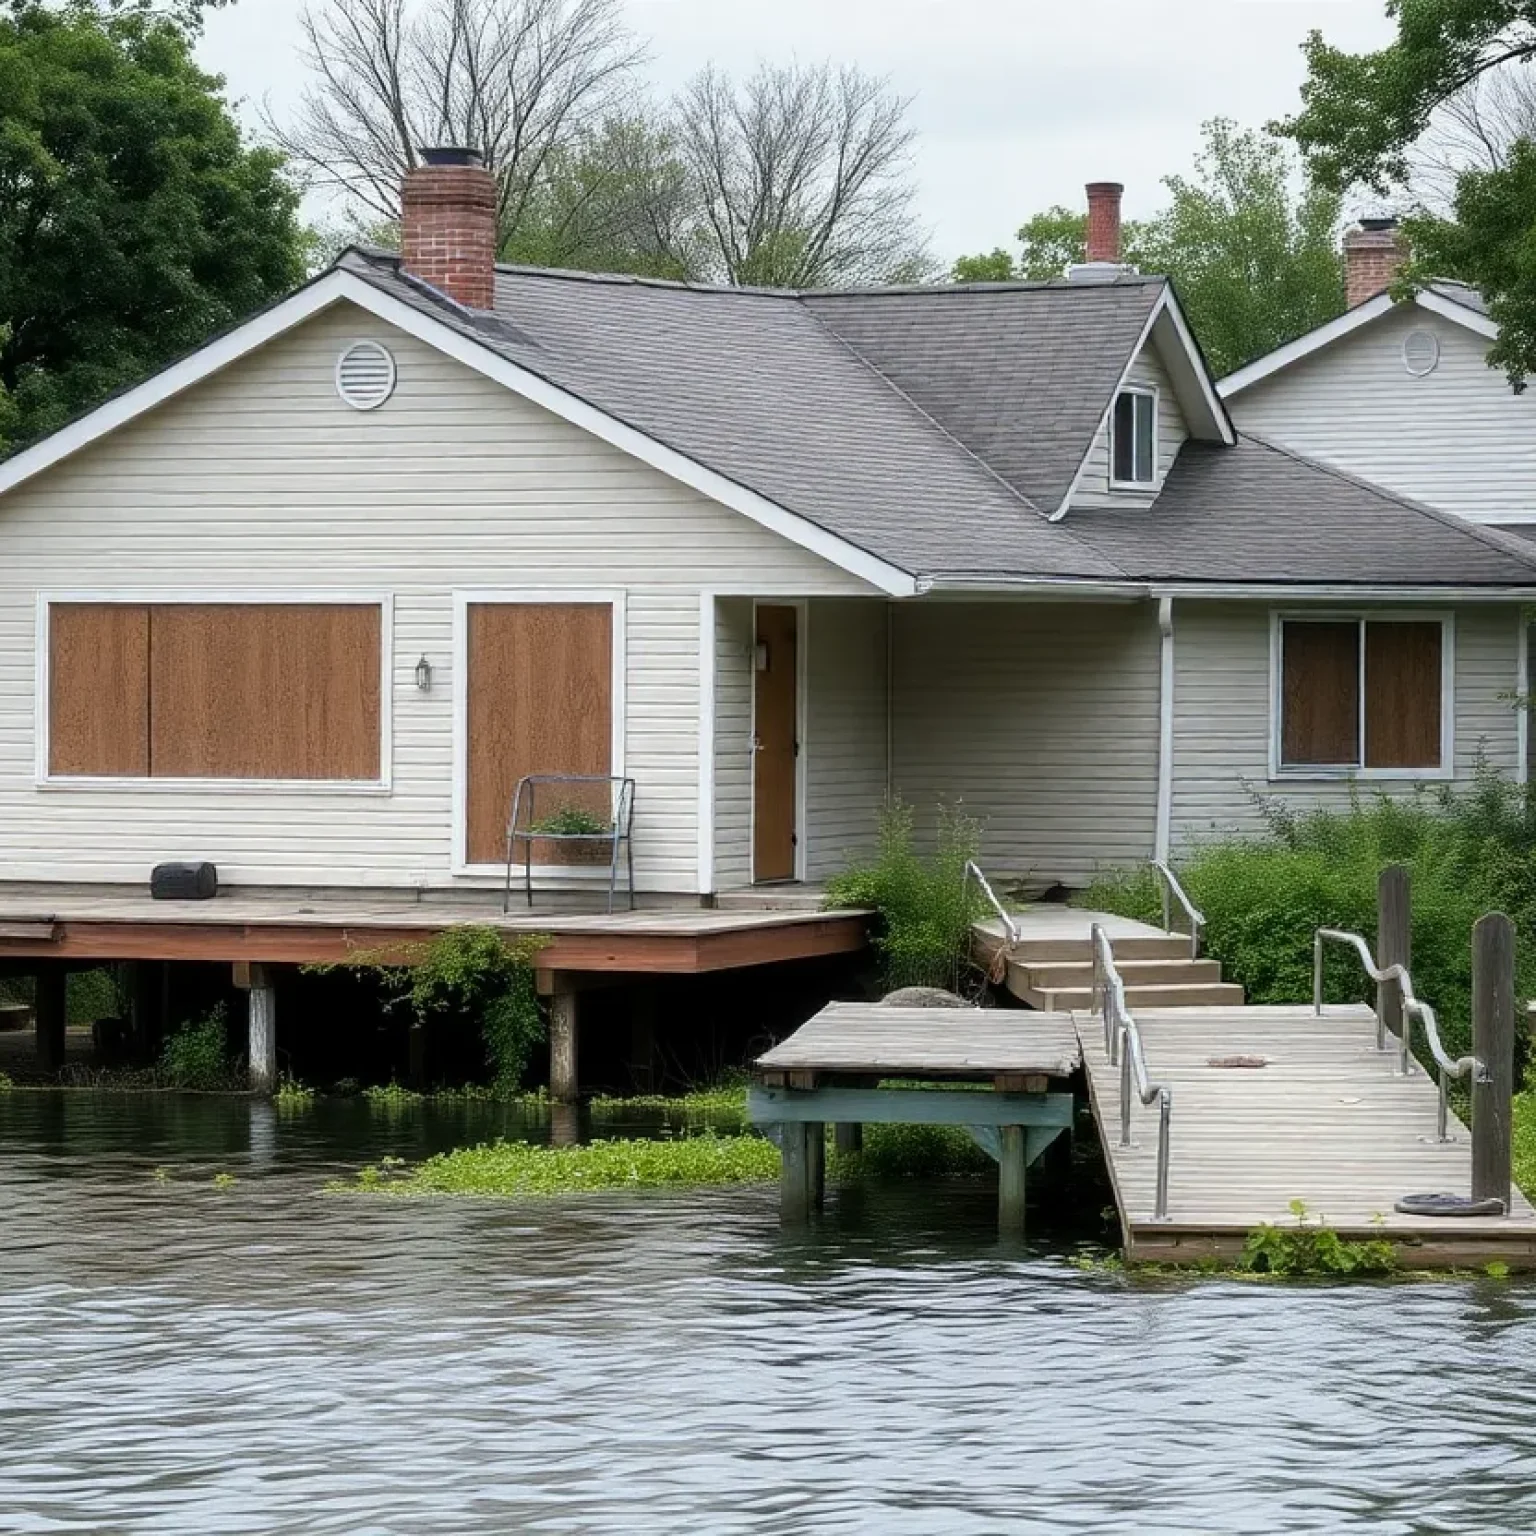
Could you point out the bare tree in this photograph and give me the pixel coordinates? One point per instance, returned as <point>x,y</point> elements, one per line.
<point>519,80</point>
<point>802,177</point>
<point>1473,130</point>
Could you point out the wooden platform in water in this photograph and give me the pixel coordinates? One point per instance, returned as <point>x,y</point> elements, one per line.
<point>871,1039</point>
<point>1326,1120</point>
<point>318,927</point>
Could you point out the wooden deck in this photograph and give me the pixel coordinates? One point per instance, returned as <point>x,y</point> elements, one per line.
<point>871,1040</point>
<point>1325,1121</point>
<point>309,928</point>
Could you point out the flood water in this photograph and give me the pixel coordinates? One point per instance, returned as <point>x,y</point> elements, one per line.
<point>267,1357</point>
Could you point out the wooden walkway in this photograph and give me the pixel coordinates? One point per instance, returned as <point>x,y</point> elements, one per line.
<point>1326,1121</point>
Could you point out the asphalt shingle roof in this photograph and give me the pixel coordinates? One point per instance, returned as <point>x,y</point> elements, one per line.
<point>935,430</point>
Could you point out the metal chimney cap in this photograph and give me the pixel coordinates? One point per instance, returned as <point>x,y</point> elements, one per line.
<point>451,154</point>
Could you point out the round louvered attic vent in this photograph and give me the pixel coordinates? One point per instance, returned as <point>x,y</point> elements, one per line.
<point>365,375</point>
<point>1421,352</point>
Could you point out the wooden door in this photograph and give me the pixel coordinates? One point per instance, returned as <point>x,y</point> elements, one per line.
<point>776,744</point>
<point>540,700</point>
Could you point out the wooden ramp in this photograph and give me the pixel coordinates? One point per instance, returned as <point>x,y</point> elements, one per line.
<point>1326,1120</point>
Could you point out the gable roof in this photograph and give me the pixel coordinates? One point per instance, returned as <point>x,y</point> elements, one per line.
<point>817,416</point>
<point>1452,301</point>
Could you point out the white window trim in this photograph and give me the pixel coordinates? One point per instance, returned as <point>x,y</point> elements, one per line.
<point>1152,393</point>
<point>44,779</point>
<point>556,875</point>
<point>1322,772</point>
<point>802,609</point>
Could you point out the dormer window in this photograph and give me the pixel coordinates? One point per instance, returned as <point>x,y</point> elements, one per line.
<point>1133,439</point>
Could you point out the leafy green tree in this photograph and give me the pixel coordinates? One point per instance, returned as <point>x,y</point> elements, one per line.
<point>134,220</point>
<point>1362,114</point>
<point>1255,261</point>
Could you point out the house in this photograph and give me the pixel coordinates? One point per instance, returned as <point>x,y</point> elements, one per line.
<point>310,601</point>
<point>1400,392</point>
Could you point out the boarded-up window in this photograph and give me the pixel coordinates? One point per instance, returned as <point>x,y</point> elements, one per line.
<point>1361,693</point>
<point>540,701</point>
<point>227,690</point>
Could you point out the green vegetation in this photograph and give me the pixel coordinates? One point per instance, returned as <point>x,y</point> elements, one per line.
<point>518,1168</point>
<point>925,904</point>
<point>1470,852</point>
<point>572,821</point>
<point>194,1057</point>
<point>471,977</point>
<point>1314,1248</point>
<point>292,1094</point>
<point>911,1152</point>
<point>392,1096</point>
<point>1524,1129</point>
<point>5,1083</point>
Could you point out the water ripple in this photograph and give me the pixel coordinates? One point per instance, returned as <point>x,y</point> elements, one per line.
<point>176,1357</point>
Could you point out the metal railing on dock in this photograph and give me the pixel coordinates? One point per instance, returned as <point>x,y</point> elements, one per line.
<point>1010,928</point>
<point>1122,1044</point>
<point>1173,891</point>
<point>1413,1008</point>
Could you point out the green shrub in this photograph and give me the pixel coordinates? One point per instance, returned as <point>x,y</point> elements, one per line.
<point>1470,852</point>
<point>1314,1248</point>
<point>194,1057</point>
<point>572,821</point>
<point>924,902</point>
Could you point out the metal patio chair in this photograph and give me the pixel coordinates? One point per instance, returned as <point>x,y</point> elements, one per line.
<point>524,822</point>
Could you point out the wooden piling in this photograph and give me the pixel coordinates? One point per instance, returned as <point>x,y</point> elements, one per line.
<point>564,1086</point>
<point>48,1009</point>
<point>1010,1182</point>
<point>816,1162</point>
<point>850,1137</point>
<point>1493,1043</point>
<point>642,1039</point>
<point>262,1031</point>
<point>1394,941</point>
<point>794,1180</point>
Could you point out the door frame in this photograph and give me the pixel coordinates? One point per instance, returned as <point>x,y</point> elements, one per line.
<point>458,682</point>
<point>802,609</point>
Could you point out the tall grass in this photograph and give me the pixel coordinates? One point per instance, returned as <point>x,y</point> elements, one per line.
<point>1470,851</point>
<point>924,903</point>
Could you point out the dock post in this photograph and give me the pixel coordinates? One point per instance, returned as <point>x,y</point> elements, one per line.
<point>1010,1182</point>
<point>262,1042</point>
<point>1493,1043</point>
<point>642,1039</point>
<point>1394,946</point>
<point>850,1137</point>
<point>48,1012</point>
<point>563,1084</point>
<point>794,1179</point>
<point>816,1162</point>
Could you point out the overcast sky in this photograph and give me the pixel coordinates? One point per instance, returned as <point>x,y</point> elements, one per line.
<point>1017,103</point>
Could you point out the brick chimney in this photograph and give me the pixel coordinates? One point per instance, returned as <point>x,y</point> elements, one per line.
<point>448,225</point>
<point>1104,221</point>
<point>1373,255</point>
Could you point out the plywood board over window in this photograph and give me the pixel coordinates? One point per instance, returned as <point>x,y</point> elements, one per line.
<point>1320,709</point>
<point>265,691</point>
<point>1402,701</point>
<point>98,690</point>
<point>540,700</point>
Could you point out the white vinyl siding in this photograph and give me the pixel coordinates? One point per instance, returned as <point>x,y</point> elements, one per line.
<point>261,477</point>
<point>1222,717</point>
<point>733,742</point>
<point>1094,489</point>
<point>1041,718</point>
<point>1457,438</point>
<point>845,767</point>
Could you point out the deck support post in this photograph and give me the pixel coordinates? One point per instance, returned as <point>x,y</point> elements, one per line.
<point>564,1086</point>
<point>1394,946</point>
<point>1010,1181</point>
<point>850,1137</point>
<point>262,1042</point>
<point>642,1039</point>
<point>1493,1043</point>
<point>816,1162</point>
<point>49,1014</point>
<point>794,1178</point>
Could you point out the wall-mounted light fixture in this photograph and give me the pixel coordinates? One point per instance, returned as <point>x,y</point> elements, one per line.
<point>424,675</point>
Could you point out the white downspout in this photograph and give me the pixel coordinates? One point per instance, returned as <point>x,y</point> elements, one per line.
<point>890,699</point>
<point>1165,730</point>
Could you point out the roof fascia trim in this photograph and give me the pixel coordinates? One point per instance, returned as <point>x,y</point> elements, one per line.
<point>338,285</point>
<point>1344,593</point>
<point>1031,586</point>
<point>1459,314</point>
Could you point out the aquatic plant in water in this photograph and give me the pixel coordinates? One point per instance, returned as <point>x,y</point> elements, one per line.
<point>1313,1248</point>
<point>520,1168</point>
<point>194,1057</point>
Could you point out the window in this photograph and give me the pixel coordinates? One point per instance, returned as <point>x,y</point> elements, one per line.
<point>1363,694</point>
<point>1133,438</point>
<point>263,691</point>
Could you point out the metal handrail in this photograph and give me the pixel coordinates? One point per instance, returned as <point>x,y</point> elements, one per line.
<point>1413,1008</point>
<point>1170,884</point>
<point>1010,928</point>
<point>1122,1044</point>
